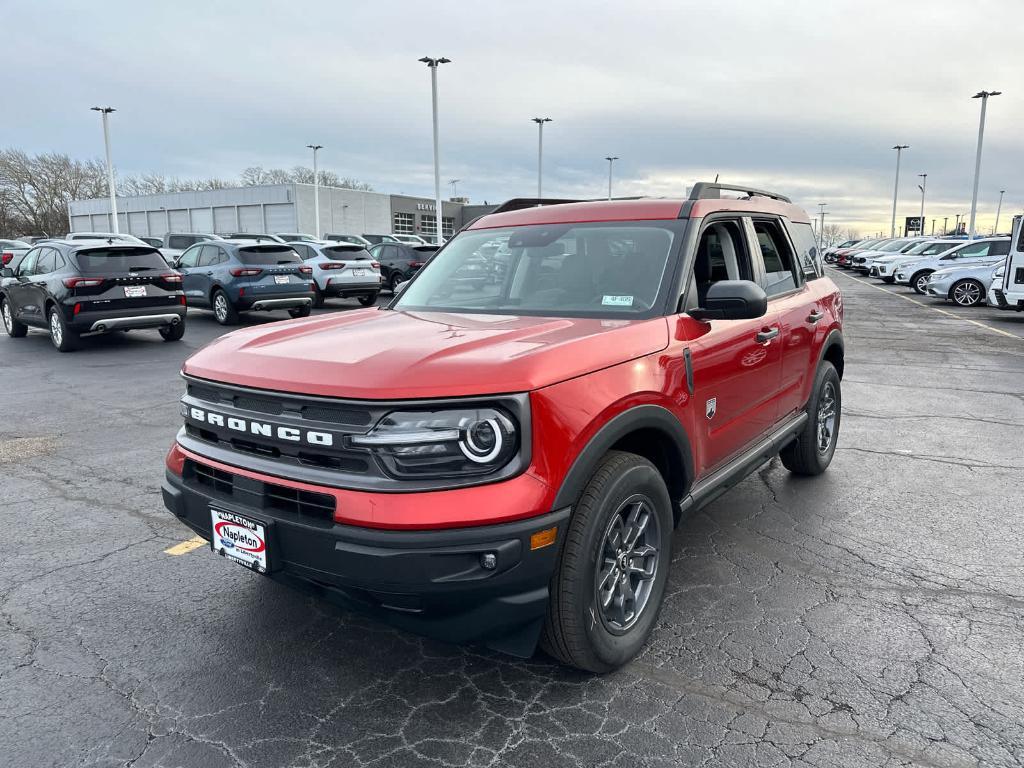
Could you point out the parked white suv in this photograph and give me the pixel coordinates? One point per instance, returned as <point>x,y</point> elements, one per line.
<point>916,273</point>
<point>1009,293</point>
<point>886,267</point>
<point>341,270</point>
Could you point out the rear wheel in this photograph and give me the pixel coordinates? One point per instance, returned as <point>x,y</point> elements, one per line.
<point>607,589</point>
<point>223,309</point>
<point>812,450</point>
<point>919,282</point>
<point>369,300</point>
<point>174,332</point>
<point>63,338</point>
<point>300,311</point>
<point>967,293</point>
<point>15,329</point>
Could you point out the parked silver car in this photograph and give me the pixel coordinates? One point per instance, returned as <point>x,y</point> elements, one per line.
<point>966,285</point>
<point>342,270</point>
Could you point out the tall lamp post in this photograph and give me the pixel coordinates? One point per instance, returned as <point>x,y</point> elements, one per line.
<point>983,95</point>
<point>945,220</point>
<point>999,209</point>
<point>896,189</point>
<point>922,186</point>
<point>105,111</point>
<point>434,63</point>
<point>821,226</point>
<point>316,190</point>
<point>610,161</point>
<point>540,150</point>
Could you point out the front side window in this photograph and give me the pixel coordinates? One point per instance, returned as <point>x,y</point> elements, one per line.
<point>777,258</point>
<point>563,270</point>
<point>28,264</point>
<point>1000,248</point>
<point>190,257</point>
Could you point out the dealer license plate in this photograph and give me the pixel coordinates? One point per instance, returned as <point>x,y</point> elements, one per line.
<point>238,538</point>
<point>280,279</point>
<point>134,291</point>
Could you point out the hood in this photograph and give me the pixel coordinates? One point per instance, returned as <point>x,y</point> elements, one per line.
<point>382,354</point>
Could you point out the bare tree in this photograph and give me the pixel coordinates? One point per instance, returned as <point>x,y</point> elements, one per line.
<point>35,190</point>
<point>300,175</point>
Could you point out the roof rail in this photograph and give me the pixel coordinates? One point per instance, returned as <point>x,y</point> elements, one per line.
<point>518,203</point>
<point>704,190</point>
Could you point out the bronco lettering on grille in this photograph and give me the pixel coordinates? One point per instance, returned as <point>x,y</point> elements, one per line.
<point>259,428</point>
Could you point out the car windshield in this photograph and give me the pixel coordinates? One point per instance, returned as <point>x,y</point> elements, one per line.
<point>892,245</point>
<point>866,244</point>
<point>96,261</point>
<point>564,270</point>
<point>267,254</point>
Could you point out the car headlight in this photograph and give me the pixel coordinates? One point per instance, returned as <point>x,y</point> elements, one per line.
<point>462,442</point>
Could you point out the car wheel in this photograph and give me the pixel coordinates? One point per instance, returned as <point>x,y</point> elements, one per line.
<point>919,282</point>
<point>608,586</point>
<point>812,450</point>
<point>174,332</point>
<point>967,293</point>
<point>393,282</point>
<point>15,329</point>
<point>223,310</point>
<point>300,311</point>
<point>369,300</point>
<point>63,338</point>
<point>318,296</point>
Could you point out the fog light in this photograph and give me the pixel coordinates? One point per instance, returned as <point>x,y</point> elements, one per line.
<point>489,561</point>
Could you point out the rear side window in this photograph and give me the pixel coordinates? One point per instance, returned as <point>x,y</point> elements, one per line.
<point>181,241</point>
<point>777,258</point>
<point>208,256</point>
<point>1000,248</point>
<point>268,254</point>
<point>806,250</point>
<point>346,251</point>
<point>100,260</point>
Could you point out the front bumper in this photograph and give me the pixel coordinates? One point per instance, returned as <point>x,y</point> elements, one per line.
<point>432,582</point>
<point>938,290</point>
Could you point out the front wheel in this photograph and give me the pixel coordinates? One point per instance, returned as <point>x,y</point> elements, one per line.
<point>302,311</point>
<point>967,293</point>
<point>607,589</point>
<point>174,332</point>
<point>369,300</point>
<point>812,450</point>
<point>63,338</point>
<point>919,282</point>
<point>15,329</point>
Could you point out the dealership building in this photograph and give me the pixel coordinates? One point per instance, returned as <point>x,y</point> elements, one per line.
<point>272,208</point>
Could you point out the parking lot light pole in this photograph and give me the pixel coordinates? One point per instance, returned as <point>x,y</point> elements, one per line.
<point>945,228</point>
<point>316,190</point>
<point>105,111</point>
<point>821,226</point>
<point>999,209</point>
<point>610,161</point>
<point>983,95</point>
<point>896,189</point>
<point>434,63</point>
<point>922,186</point>
<point>540,150</point>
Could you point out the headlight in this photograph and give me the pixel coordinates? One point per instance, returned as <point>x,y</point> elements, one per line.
<point>464,442</point>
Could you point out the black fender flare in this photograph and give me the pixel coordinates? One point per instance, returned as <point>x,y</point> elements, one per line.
<point>833,339</point>
<point>638,417</point>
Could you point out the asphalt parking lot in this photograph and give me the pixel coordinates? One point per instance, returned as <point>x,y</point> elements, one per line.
<point>873,616</point>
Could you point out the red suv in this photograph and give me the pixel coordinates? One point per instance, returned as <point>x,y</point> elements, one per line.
<point>501,455</point>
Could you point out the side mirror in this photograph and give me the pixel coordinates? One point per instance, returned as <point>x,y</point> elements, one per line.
<point>732,300</point>
<point>6,272</point>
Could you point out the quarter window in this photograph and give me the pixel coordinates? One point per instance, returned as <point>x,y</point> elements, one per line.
<point>806,250</point>
<point>776,257</point>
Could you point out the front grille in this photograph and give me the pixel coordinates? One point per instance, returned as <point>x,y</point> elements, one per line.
<point>257,494</point>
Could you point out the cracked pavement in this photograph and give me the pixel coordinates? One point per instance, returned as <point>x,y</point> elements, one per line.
<point>873,616</point>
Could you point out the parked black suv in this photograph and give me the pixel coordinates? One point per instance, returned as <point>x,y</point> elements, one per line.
<point>89,287</point>
<point>400,261</point>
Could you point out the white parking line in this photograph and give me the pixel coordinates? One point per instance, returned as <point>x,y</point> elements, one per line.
<point>978,323</point>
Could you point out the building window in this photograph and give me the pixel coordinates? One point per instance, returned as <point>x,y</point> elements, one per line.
<point>447,226</point>
<point>428,225</point>
<point>405,224</point>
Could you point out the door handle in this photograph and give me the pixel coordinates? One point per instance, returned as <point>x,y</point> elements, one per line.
<point>767,335</point>
<point>815,317</point>
<point>209,274</point>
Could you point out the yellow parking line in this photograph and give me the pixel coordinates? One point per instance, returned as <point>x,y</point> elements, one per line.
<point>186,546</point>
<point>1000,331</point>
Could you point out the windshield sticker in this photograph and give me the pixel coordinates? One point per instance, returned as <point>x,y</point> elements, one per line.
<point>617,301</point>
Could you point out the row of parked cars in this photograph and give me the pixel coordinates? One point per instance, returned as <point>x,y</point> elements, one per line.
<point>966,272</point>
<point>95,283</point>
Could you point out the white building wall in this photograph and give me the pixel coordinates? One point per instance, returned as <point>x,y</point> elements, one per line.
<point>343,211</point>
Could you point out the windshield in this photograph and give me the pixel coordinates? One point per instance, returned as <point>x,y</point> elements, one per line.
<point>100,260</point>
<point>893,245</point>
<point>567,270</point>
<point>267,254</point>
<point>865,245</point>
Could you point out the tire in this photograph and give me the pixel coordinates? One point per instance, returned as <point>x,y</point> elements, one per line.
<point>223,309</point>
<point>967,293</point>
<point>805,456</point>
<point>369,300</point>
<point>300,311</point>
<point>578,631</point>
<point>14,328</point>
<point>318,298</point>
<point>63,338</point>
<point>393,282</point>
<point>918,280</point>
<point>174,332</point>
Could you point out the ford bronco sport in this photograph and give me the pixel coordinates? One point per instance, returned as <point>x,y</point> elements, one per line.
<point>504,461</point>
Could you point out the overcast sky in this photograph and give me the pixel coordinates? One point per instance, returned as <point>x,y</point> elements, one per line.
<point>803,97</point>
